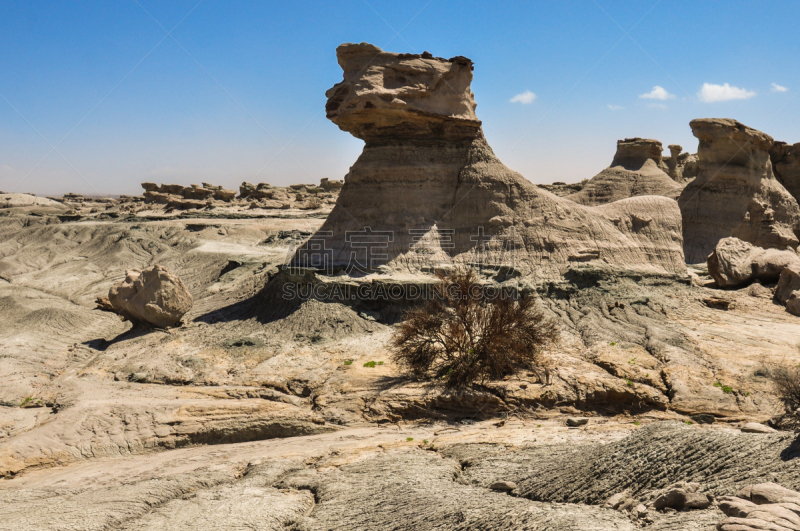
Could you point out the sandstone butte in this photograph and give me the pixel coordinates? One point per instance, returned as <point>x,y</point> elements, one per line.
<point>427,170</point>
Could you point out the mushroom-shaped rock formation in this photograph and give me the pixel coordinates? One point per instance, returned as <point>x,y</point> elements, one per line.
<point>637,169</point>
<point>427,184</point>
<point>735,192</point>
<point>681,166</point>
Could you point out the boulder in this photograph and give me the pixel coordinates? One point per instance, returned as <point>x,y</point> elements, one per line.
<point>214,187</point>
<point>755,427</point>
<point>682,496</point>
<point>574,422</point>
<point>767,506</point>
<point>703,418</point>
<point>735,192</point>
<point>735,262</point>
<point>503,486</point>
<point>637,169</point>
<point>154,296</point>
<point>150,187</point>
<point>788,289</point>
<point>427,185</point>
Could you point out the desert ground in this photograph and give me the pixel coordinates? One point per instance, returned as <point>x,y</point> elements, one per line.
<point>674,281</point>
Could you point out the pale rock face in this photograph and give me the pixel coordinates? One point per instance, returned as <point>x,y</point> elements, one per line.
<point>637,169</point>
<point>735,262</point>
<point>153,295</point>
<point>735,192</point>
<point>428,181</point>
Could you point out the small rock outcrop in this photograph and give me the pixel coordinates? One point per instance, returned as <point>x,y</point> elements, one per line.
<point>735,263</point>
<point>427,180</point>
<point>735,192</point>
<point>766,506</point>
<point>154,296</point>
<point>637,169</point>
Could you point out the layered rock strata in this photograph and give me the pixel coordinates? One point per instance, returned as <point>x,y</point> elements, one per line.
<point>735,192</point>
<point>428,185</point>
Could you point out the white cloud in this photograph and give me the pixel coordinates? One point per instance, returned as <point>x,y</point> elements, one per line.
<point>658,93</point>
<point>524,97</point>
<point>778,88</point>
<point>711,93</point>
<point>615,107</point>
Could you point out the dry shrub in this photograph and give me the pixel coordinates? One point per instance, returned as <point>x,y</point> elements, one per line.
<point>464,335</point>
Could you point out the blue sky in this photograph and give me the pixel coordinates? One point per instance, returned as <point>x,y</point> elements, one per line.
<point>237,91</point>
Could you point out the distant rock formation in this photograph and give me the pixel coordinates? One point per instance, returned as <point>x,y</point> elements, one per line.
<point>637,169</point>
<point>166,193</point>
<point>681,166</point>
<point>154,296</point>
<point>428,182</point>
<point>735,192</point>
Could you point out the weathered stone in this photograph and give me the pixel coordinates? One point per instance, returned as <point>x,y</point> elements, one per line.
<point>196,192</point>
<point>719,303</point>
<point>174,189</point>
<point>221,194</point>
<point>503,485</point>
<point>428,178</point>
<point>330,185</point>
<point>158,198</point>
<point>788,289</point>
<point>755,427</point>
<point>735,192</point>
<point>153,295</point>
<point>637,169</point>
<point>574,422</point>
<point>735,262</point>
<point>703,418</point>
